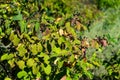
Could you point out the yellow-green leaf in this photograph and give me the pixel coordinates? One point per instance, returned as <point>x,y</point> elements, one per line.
<point>34,49</point>
<point>21,49</point>
<point>11,36</point>
<point>4,57</point>
<point>39,47</point>
<point>21,74</point>
<point>96,63</point>
<point>71,58</point>
<point>47,69</point>
<point>21,64</point>
<point>70,29</point>
<point>35,69</point>
<point>11,63</point>
<point>61,40</point>
<point>7,78</point>
<point>16,40</point>
<point>30,62</point>
<point>11,55</point>
<point>46,57</point>
<point>28,37</point>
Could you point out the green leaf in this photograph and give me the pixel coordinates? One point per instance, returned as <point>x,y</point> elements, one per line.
<point>70,29</point>
<point>7,23</point>
<point>16,40</point>
<point>68,72</point>
<point>21,49</point>
<point>68,78</point>
<point>11,36</point>
<point>8,31</point>
<point>22,26</point>
<point>110,71</point>
<point>4,57</point>
<point>3,5</point>
<point>37,26</point>
<point>17,17</point>
<point>64,52</point>
<point>34,49</point>
<point>71,58</point>
<point>47,69</point>
<point>61,40</point>
<point>30,62</point>
<point>76,41</point>
<point>25,12</point>
<point>7,78</point>
<point>21,64</point>
<point>28,37</point>
<point>60,64</point>
<point>46,57</point>
<point>88,74</point>
<point>56,50</point>
<point>38,75</point>
<point>35,69</point>
<point>41,54</point>
<point>11,63</point>
<point>11,55</point>
<point>0,30</point>
<point>21,74</point>
<point>76,76</point>
<point>39,47</point>
<point>96,63</point>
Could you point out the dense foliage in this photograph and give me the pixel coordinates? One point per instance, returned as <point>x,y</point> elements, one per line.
<point>59,39</point>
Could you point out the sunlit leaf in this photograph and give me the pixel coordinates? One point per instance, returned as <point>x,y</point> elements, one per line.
<point>68,78</point>
<point>70,29</point>
<point>4,57</point>
<point>96,63</point>
<point>60,64</point>
<point>21,49</point>
<point>47,69</point>
<point>30,62</point>
<point>46,57</point>
<point>28,38</point>
<point>21,64</point>
<point>21,74</point>
<point>7,78</point>
<point>89,74</point>
<point>16,40</point>
<point>110,71</point>
<point>11,55</point>
<point>38,75</point>
<point>39,47</point>
<point>12,63</point>
<point>25,12</point>
<point>34,49</point>
<point>35,69</point>
<point>61,40</point>
<point>71,58</point>
<point>56,50</point>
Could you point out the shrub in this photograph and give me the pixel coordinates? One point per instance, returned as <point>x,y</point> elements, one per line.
<point>45,40</point>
